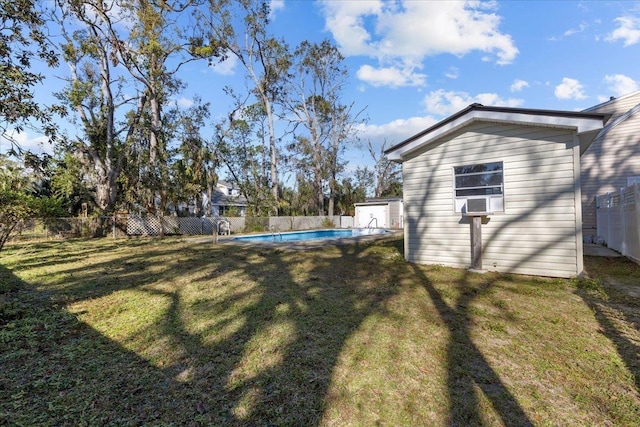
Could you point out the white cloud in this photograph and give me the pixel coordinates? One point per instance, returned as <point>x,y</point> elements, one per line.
<point>275,6</point>
<point>628,30</point>
<point>570,89</point>
<point>184,102</point>
<point>444,103</point>
<point>398,130</point>
<point>619,84</point>
<point>226,67</point>
<point>518,85</point>
<point>409,31</point>
<point>120,18</point>
<point>390,76</point>
<point>36,144</point>
<point>573,31</point>
<point>394,132</point>
<point>452,73</point>
<point>345,20</point>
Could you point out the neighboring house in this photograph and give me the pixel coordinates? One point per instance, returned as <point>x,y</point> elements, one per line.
<point>227,200</point>
<point>612,161</point>
<point>516,170</point>
<point>381,212</point>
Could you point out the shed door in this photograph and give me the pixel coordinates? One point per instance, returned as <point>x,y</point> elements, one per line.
<point>366,215</point>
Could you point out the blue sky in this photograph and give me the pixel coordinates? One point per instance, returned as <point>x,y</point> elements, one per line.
<point>413,63</point>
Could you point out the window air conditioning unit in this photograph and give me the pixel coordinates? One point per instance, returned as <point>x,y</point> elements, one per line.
<point>477,205</point>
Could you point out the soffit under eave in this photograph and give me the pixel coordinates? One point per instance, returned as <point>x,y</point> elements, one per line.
<point>586,139</point>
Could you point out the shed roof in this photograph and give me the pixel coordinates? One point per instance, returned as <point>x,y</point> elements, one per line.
<point>378,201</point>
<point>587,124</point>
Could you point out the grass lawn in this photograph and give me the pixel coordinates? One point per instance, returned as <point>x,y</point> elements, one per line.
<point>171,332</point>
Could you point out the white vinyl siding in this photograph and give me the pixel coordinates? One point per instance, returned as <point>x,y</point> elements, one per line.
<point>395,214</point>
<point>607,163</point>
<point>536,233</point>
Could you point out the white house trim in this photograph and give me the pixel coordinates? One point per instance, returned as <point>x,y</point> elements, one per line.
<point>587,124</point>
<point>613,124</point>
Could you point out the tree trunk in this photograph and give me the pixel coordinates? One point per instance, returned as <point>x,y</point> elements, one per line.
<point>273,155</point>
<point>332,195</point>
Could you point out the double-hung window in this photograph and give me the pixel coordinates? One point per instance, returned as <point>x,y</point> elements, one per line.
<point>477,186</point>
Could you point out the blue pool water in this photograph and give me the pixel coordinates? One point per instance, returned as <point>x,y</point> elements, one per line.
<point>297,236</point>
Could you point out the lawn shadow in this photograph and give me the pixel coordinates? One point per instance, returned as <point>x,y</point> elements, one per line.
<point>266,358</point>
<point>614,299</point>
<point>468,371</point>
<point>56,370</point>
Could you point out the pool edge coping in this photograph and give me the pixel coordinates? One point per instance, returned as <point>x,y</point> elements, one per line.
<point>309,244</point>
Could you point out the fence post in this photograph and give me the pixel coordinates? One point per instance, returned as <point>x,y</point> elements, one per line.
<point>623,239</point>
<point>114,225</point>
<point>636,213</point>
<point>608,240</point>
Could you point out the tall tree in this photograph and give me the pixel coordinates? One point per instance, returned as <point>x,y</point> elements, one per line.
<point>95,94</point>
<point>387,174</point>
<point>242,145</point>
<point>194,170</point>
<point>347,195</point>
<point>152,41</point>
<point>265,58</point>
<point>316,106</point>
<point>23,40</point>
<point>364,179</point>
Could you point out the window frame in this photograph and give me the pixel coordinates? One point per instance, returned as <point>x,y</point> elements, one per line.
<point>493,193</point>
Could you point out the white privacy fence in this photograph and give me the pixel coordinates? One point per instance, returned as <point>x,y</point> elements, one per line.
<point>618,218</point>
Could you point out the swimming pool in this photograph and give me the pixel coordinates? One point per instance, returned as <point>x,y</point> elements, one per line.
<point>299,236</point>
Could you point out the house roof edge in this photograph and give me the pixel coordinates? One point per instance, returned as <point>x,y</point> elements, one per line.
<point>479,108</point>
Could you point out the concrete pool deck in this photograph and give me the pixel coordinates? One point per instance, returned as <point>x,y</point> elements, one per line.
<point>303,244</point>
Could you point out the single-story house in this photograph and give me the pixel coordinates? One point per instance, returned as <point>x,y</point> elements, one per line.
<point>382,212</point>
<point>612,160</point>
<point>498,183</point>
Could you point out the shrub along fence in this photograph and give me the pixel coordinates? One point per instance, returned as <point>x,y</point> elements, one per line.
<point>135,225</point>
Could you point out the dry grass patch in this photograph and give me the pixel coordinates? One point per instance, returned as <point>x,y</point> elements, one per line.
<point>170,332</point>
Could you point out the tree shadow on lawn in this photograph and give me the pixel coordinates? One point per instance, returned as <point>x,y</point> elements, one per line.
<point>467,368</point>
<point>57,370</point>
<point>265,357</point>
<point>614,297</point>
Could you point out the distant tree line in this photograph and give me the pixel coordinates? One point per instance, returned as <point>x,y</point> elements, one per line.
<point>133,148</point>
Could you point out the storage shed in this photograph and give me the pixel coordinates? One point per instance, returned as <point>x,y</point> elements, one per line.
<point>511,174</point>
<point>380,213</point>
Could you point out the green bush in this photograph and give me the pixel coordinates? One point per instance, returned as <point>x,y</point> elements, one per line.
<point>256,224</point>
<point>328,223</point>
<point>17,206</point>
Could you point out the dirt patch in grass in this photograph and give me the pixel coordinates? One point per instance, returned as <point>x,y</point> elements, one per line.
<point>170,332</point>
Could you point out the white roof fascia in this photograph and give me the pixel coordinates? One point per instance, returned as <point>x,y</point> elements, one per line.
<point>605,130</point>
<point>580,124</point>
<point>610,101</point>
<point>617,121</point>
